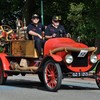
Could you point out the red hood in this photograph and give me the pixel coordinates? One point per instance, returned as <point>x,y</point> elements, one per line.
<point>61,42</point>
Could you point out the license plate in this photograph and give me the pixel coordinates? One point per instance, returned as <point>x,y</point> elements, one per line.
<point>80,74</point>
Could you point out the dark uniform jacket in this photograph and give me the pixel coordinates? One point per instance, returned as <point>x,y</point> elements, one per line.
<point>38,29</point>
<point>60,31</point>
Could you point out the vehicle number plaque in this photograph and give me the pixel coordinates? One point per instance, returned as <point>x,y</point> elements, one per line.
<point>82,53</point>
<point>80,74</point>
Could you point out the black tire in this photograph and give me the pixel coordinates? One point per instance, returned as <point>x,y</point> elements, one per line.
<point>52,76</point>
<point>98,74</point>
<point>40,75</point>
<point>2,78</point>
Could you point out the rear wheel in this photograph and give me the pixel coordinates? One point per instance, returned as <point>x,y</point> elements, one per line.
<point>98,74</point>
<point>52,75</point>
<point>2,78</point>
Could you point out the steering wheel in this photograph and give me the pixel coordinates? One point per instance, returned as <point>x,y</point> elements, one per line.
<point>5,29</point>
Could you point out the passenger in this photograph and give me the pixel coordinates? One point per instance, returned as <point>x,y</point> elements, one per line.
<point>35,30</point>
<point>55,29</point>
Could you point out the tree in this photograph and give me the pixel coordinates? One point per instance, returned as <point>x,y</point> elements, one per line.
<point>10,10</point>
<point>88,17</point>
<point>97,24</point>
<point>93,7</point>
<point>80,25</point>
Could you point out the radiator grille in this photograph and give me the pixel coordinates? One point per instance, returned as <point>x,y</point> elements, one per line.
<point>79,61</point>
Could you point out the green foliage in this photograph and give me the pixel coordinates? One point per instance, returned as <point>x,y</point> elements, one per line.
<point>55,7</point>
<point>80,17</point>
<point>80,24</point>
<point>8,8</point>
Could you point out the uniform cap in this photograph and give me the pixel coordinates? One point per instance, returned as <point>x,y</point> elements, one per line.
<point>56,18</point>
<point>35,16</point>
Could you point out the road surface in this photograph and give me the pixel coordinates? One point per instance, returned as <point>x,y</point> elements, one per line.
<point>30,88</point>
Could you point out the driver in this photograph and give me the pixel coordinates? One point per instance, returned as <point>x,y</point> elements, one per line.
<point>55,29</point>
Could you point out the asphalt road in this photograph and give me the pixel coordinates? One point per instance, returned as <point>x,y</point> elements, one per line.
<point>30,88</point>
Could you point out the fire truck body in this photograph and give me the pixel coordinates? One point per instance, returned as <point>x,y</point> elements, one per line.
<point>62,58</point>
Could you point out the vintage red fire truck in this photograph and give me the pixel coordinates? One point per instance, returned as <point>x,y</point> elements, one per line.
<point>62,58</point>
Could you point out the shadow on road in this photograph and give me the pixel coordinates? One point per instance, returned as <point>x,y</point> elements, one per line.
<point>20,83</point>
<point>73,87</point>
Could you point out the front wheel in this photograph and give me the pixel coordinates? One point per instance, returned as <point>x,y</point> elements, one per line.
<point>98,74</point>
<point>52,75</point>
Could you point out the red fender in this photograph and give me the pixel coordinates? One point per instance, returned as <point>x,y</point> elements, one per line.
<point>57,58</point>
<point>5,62</point>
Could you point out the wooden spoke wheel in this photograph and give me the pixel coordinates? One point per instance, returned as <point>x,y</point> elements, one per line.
<point>5,30</point>
<point>52,75</point>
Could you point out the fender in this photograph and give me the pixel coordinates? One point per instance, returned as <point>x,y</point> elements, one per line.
<point>5,62</point>
<point>57,58</point>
